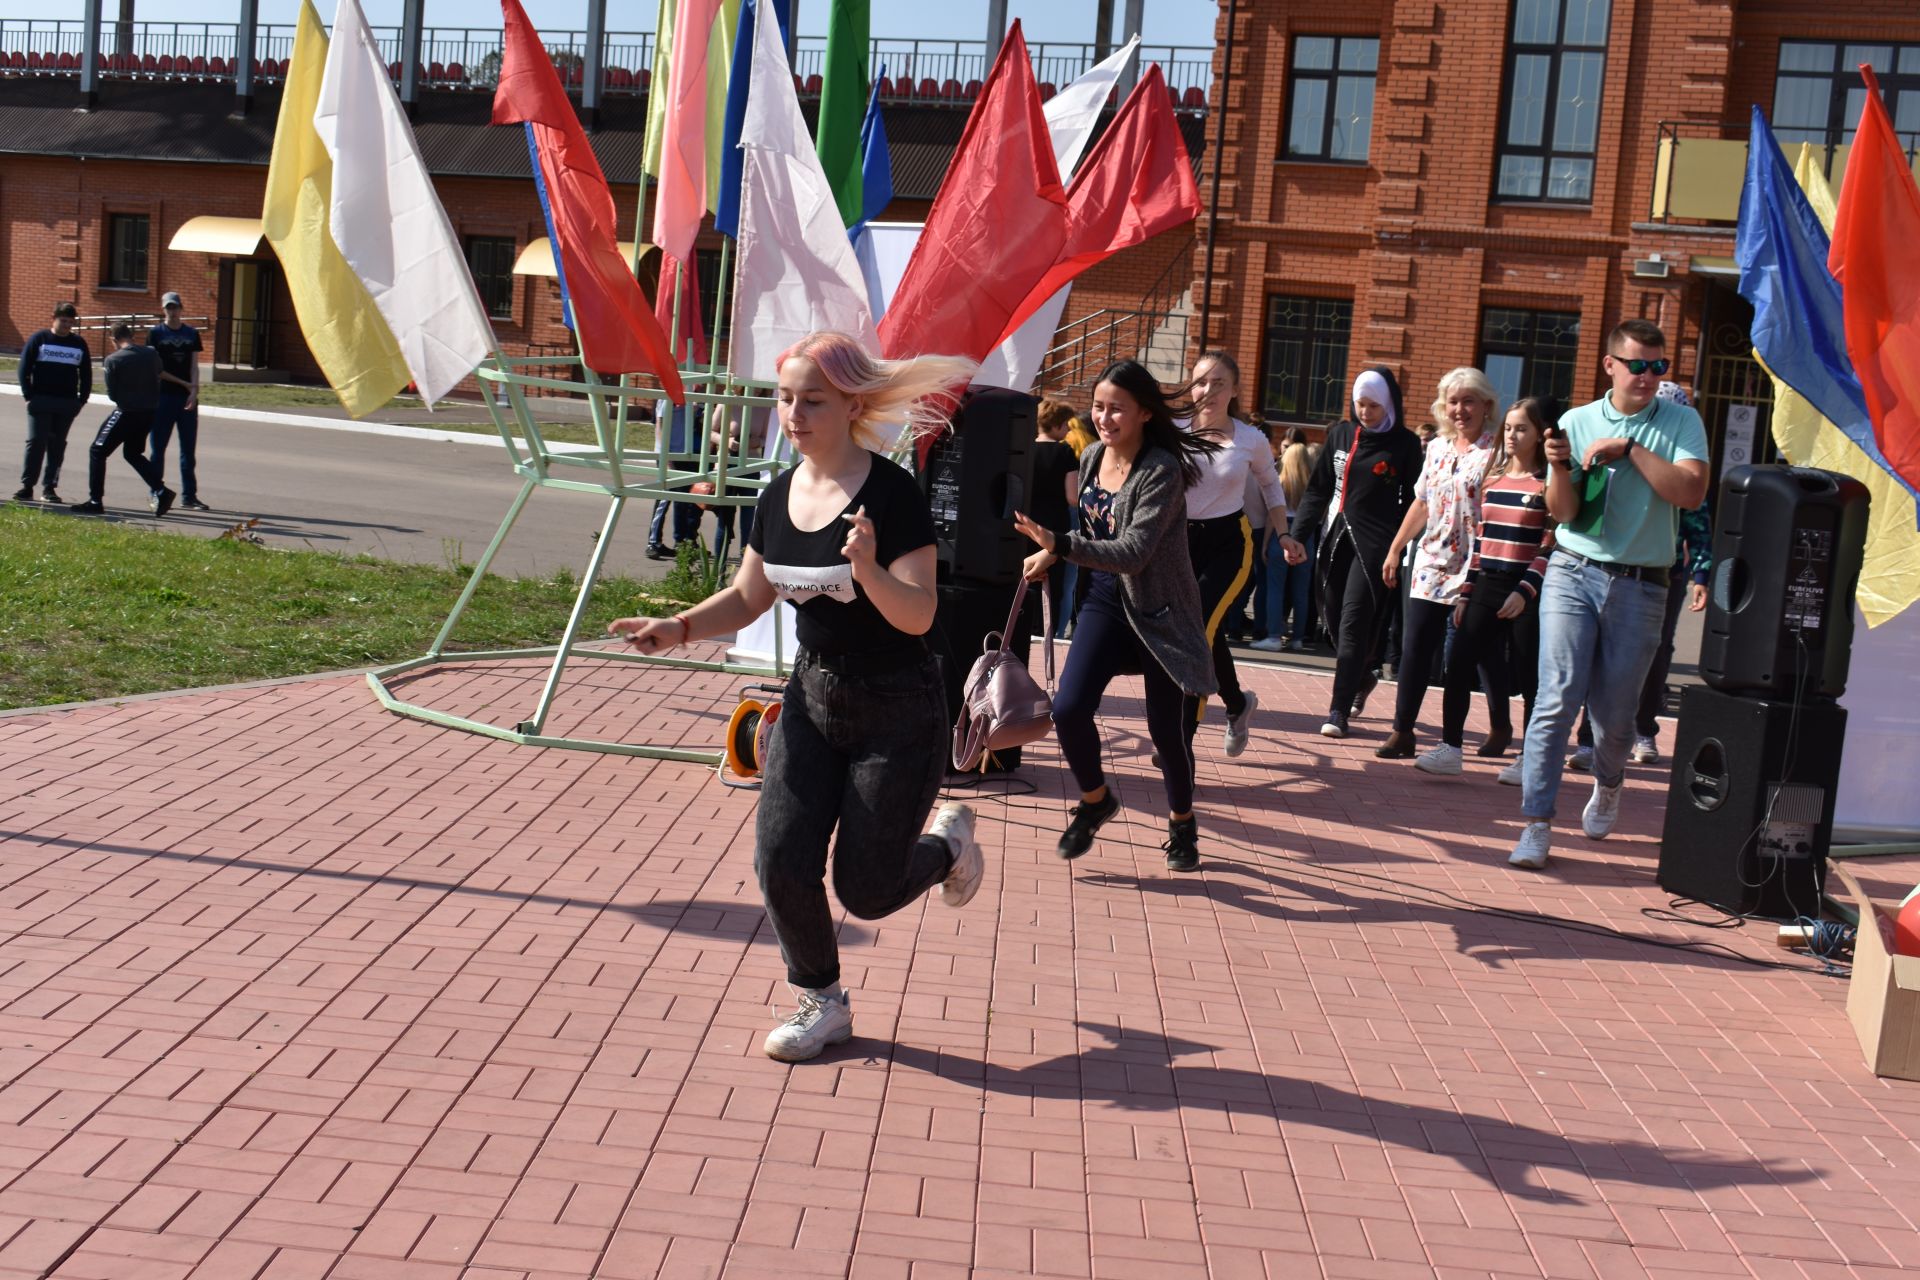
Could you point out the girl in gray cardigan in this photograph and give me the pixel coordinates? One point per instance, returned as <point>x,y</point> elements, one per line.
<point>1139,604</point>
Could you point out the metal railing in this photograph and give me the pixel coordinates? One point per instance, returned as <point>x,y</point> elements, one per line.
<point>1155,332</point>
<point>456,57</point>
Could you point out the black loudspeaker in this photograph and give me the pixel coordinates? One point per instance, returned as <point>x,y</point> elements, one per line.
<point>1786,559</point>
<point>1750,802</point>
<point>966,614</point>
<point>975,477</point>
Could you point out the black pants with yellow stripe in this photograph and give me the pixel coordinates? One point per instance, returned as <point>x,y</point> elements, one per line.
<point>1222,551</point>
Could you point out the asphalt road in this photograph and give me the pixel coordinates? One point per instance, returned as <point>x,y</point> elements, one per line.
<point>336,490</point>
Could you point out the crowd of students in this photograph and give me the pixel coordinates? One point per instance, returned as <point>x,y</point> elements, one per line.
<point>1537,553</point>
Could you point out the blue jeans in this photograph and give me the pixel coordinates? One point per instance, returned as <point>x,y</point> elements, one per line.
<point>172,412</point>
<point>1289,587</point>
<point>1597,637</point>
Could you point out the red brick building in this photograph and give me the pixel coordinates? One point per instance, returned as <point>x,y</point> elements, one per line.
<point>1431,183</point>
<point>158,187</point>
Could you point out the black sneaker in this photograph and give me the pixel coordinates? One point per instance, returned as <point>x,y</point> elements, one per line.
<point>51,498</point>
<point>162,502</point>
<point>194,504</point>
<point>88,508</point>
<point>1367,686</point>
<point>23,495</point>
<point>1183,844</point>
<point>1087,819</point>
<point>659,551</point>
<point>1336,725</point>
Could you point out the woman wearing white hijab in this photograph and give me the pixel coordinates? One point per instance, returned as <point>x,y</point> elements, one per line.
<point>1361,488</point>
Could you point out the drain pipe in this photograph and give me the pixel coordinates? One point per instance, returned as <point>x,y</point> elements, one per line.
<point>1213,199</point>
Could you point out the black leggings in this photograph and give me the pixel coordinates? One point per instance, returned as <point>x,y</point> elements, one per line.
<point>1354,598</point>
<point>1423,634</point>
<point>1222,554</point>
<point>1104,646</point>
<point>1501,652</point>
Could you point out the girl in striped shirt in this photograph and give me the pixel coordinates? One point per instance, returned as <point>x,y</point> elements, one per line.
<point>1497,615</point>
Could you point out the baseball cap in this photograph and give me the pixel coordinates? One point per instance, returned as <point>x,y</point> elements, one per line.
<point>170,300</point>
<point>66,309</point>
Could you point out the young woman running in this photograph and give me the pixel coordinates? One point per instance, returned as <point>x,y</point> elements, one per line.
<point>862,740</point>
<point>1219,535</point>
<point>1443,517</point>
<point>1497,614</point>
<point>1139,601</point>
<point>1365,476</point>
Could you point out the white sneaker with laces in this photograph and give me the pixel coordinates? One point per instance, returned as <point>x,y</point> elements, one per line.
<point>1581,759</point>
<point>1602,811</point>
<point>821,1020</point>
<point>1531,852</point>
<point>954,824</point>
<point>1238,726</point>
<point>1441,759</point>
<point>1645,751</point>
<point>1514,775</point>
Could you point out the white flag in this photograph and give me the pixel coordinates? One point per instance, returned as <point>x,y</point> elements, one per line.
<point>797,272</point>
<point>387,218</point>
<point>1071,116</point>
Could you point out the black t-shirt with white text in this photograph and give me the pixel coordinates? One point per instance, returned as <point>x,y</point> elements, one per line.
<point>807,569</point>
<point>177,348</point>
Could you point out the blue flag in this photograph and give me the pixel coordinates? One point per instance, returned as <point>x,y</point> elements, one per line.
<point>726,211</point>
<point>1798,324</point>
<point>876,161</point>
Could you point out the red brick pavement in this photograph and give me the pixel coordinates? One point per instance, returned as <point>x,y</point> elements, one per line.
<point>295,988</point>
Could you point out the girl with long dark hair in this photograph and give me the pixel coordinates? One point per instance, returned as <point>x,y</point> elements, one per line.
<point>1497,617</point>
<point>858,753</point>
<point>1219,535</point>
<point>1139,601</point>
<point>1364,477</point>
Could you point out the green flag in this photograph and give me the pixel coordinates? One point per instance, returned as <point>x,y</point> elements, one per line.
<point>843,104</point>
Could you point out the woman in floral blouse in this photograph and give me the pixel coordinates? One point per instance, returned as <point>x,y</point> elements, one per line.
<point>1444,515</point>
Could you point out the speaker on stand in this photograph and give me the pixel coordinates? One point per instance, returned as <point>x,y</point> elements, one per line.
<point>1756,760</point>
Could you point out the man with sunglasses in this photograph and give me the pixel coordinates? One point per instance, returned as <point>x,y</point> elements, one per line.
<point>1620,471</point>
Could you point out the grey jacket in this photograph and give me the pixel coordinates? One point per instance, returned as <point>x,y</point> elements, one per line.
<point>1157,585</point>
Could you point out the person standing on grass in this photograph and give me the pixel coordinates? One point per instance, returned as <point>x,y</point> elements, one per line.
<point>856,758</point>
<point>1139,601</point>
<point>1364,476</point>
<point>1620,472</point>
<point>1219,535</point>
<point>179,406</point>
<point>1498,613</point>
<point>1440,525</point>
<point>133,384</point>
<point>56,378</point>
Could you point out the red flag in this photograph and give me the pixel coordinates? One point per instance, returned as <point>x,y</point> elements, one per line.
<point>995,228</point>
<point>1876,259</point>
<point>611,320</point>
<point>689,343</point>
<point>1137,182</point>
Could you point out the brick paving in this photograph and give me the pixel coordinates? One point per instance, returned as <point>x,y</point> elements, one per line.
<point>294,988</point>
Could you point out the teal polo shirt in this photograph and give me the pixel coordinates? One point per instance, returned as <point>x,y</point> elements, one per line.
<point>1639,527</point>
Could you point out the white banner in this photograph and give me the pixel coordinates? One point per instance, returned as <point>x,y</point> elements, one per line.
<point>1878,798</point>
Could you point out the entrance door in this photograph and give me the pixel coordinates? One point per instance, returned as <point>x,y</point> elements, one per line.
<point>246,313</point>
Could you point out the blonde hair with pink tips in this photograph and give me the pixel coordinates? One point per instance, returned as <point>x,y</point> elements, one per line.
<point>921,392</point>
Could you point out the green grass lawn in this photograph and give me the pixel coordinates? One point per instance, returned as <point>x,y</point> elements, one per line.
<point>92,609</point>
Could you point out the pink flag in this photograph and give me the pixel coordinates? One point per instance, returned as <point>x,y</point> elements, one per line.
<point>682,197</point>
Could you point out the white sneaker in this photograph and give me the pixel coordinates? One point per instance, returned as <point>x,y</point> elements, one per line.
<point>1442,759</point>
<point>820,1021</point>
<point>1602,811</point>
<point>1272,644</point>
<point>1531,852</point>
<point>1513,775</point>
<point>1237,726</point>
<point>1581,759</point>
<point>1645,751</point>
<point>954,824</point>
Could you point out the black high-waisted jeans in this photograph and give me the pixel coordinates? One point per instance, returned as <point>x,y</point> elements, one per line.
<point>865,753</point>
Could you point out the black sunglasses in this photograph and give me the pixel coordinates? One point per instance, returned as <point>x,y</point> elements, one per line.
<point>1638,367</point>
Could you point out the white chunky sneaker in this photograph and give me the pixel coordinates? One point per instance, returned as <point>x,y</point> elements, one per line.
<point>954,824</point>
<point>1514,775</point>
<point>1602,811</point>
<point>1645,751</point>
<point>821,1020</point>
<point>1531,852</point>
<point>1441,759</point>
<point>1238,726</point>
